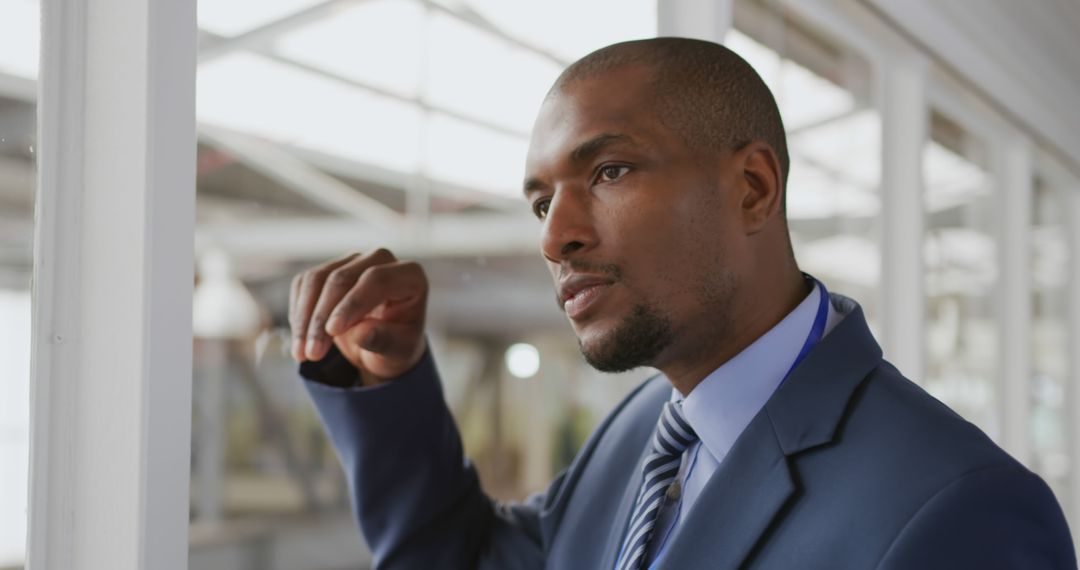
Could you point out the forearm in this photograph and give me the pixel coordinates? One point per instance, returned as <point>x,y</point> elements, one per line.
<point>417,499</point>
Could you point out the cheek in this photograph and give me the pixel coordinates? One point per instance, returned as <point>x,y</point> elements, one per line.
<point>681,245</point>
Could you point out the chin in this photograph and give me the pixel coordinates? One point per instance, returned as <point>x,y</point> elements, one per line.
<point>636,341</point>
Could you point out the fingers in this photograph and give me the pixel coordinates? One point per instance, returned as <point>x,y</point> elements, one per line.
<point>391,283</point>
<point>336,283</point>
<point>383,349</point>
<point>306,289</point>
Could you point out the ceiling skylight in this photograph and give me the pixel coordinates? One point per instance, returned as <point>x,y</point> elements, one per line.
<point>234,17</point>
<point>253,94</point>
<point>480,75</point>
<point>568,29</point>
<point>377,42</point>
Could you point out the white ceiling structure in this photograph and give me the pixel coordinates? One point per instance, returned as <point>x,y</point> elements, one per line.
<point>335,125</point>
<point>1022,56</point>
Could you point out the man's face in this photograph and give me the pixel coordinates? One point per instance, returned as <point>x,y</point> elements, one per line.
<point>638,230</point>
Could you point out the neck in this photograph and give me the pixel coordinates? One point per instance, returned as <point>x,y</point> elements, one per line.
<point>748,323</point>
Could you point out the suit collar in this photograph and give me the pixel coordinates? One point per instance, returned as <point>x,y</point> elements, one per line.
<point>808,406</point>
<point>750,488</point>
<point>721,406</point>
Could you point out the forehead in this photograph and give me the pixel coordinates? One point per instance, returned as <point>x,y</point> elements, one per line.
<point>618,101</point>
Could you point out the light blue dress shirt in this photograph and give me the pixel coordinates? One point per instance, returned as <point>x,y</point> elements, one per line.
<point>720,407</point>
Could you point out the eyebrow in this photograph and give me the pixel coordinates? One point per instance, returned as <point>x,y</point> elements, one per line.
<point>583,152</point>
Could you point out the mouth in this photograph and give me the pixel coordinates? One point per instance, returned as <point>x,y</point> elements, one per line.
<point>576,303</point>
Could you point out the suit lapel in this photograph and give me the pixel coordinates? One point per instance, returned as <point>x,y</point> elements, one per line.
<point>757,478</point>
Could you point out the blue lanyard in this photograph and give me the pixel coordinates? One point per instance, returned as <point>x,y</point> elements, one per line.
<point>817,330</point>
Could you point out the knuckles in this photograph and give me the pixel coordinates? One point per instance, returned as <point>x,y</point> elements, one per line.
<point>383,254</point>
<point>378,268</point>
<point>340,277</point>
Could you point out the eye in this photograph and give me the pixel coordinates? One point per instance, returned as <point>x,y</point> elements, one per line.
<point>540,207</point>
<point>611,172</point>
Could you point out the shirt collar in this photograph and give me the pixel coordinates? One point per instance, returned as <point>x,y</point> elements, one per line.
<point>720,407</point>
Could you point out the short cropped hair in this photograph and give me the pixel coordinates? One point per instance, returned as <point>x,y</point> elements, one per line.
<point>704,92</point>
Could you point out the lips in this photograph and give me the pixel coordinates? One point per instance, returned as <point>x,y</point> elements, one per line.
<point>579,292</point>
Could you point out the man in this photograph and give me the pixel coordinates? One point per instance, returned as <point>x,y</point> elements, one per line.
<point>775,435</point>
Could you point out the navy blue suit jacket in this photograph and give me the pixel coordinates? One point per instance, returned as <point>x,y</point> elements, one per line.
<point>848,465</point>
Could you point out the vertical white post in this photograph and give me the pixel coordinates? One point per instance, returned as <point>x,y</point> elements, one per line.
<point>1014,174</point>
<point>904,131</point>
<point>702,19</point>
<point>113,266</point>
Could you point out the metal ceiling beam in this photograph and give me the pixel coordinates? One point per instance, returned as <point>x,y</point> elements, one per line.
<point>262,35</point>
<point>447,235</point>
<point>26,90</point>
<point>466,14</point>
<point>270,160</point>
<point>418,101</point>
<point>359,171</point>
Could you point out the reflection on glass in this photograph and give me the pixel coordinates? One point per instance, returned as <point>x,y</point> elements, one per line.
<point>961,269</point>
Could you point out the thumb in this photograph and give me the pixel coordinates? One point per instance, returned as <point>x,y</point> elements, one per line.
<point>389,339</point>
<point>384,348</point>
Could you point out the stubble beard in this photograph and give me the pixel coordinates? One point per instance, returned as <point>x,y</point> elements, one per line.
<point>637,341</point>
<point>647,332</point>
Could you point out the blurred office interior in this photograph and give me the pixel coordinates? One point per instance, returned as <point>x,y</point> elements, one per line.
<point>935,178</point>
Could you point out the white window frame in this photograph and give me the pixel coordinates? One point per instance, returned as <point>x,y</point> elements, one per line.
<point>112,292</point>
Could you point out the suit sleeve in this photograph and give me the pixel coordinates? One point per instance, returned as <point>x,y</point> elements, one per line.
<point>1000,517</point>
<point>415,495</point>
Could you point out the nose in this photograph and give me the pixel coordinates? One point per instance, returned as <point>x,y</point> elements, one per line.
<point>568,227</point>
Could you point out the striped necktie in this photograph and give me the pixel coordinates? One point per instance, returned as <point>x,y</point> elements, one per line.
<point>673,435</point>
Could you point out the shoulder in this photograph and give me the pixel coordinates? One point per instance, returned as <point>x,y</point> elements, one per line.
<point>998,516</point>
<point>895,416</point>
<point>946,488</point>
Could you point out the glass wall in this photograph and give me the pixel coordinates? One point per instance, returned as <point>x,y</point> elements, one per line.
<point>384,123</point>
<point>1050,259</point>
<point>18,72</point>
<point>824,93</point>
<point>961,271</point>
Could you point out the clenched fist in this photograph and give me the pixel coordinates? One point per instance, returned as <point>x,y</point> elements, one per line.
<point>371,306</point>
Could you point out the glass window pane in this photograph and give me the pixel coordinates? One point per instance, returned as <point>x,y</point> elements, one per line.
<point>566,28</point>
<point>1050,337</point>
<point>235,17</point>
<point>961,271</point>
<point>834,141</point>
<point>19,43</point>
<point>420,108</point>
<point>376,42</point>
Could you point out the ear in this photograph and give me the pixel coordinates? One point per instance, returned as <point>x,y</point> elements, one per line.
<point>761,185</point>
